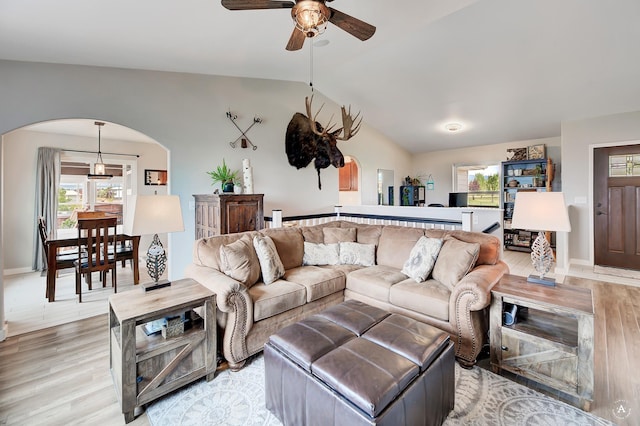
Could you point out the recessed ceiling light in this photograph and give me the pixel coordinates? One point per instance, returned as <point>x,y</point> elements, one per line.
<point>453,127</point>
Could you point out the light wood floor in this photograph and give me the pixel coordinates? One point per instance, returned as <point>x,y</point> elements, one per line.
<point>60,374</point>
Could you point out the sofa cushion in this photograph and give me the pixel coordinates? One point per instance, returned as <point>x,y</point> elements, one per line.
<point>422,258</point>
<point>339,235</point>
<point>275,298</point>
<point>455,260</point>
<point>319,282</point>
<point>430,298</point>
<point>314,233</point>
<point>395,245</point>
<point>289,243</point>
<point>270,263</point>
<point>374,281</point>
<point>321,254</point>
<point>367,234</point>
<point>240,261</point>
<point>489,245</point>
<point>357,254</point>
<point>206,251</point>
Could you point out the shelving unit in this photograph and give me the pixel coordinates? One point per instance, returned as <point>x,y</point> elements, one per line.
<point>518,176</point>
<point>551,341</point>
<point>412,195</point>
<point>145,367</point>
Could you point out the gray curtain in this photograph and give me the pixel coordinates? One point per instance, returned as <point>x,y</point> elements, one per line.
<point>47,182</point>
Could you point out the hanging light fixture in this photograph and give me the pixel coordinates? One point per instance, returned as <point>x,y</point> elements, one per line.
<point>311,17</point>
<point>99,169</point>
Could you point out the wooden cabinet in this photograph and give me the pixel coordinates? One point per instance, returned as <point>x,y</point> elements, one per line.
<point>145,367</point>
<point>518,176</point>
<point>218,214</point>
<point>547,337</point>
<point>348,177</point>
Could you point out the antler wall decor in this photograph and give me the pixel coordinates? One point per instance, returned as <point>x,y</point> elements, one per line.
<point>244,139</point>
<point>306,139</point>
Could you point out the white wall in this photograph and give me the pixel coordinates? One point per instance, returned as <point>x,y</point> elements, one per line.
<point>21,153</point>
<point>578,138</point>
<point>186,113</point>
<point>439,163</point>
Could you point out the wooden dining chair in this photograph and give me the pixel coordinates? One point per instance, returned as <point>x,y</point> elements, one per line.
<point>90,215</point>
<point>95,236</point>
<point>64,260</point>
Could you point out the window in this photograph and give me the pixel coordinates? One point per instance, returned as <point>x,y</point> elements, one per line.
<point>77,193</point>
<point>480,181</point>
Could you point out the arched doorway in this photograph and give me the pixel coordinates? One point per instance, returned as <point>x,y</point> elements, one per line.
<point>78,141</point>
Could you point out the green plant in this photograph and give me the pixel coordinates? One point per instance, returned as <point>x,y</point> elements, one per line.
<point>223,174</point>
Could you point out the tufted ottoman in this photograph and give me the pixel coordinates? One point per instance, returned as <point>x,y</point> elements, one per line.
<point>354,364</point>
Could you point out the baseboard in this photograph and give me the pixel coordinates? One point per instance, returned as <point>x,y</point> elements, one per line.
<point>4,332</point>
<point>17,271</point>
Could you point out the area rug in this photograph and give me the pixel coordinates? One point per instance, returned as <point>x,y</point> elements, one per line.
<point>482,398</point>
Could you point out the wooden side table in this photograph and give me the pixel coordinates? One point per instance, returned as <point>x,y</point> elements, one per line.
<point>146,367</point>
<point>551,340</point>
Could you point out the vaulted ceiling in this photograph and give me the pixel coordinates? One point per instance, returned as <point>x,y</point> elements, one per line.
<point>506,70</point>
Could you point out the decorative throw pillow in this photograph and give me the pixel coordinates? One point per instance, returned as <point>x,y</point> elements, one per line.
<point>357,254</point>
<point>321,254</point>
<point>339,235</point>
<point>455,260</point>
<point>239,261</point>
<point>422,258</point>
<point>270,263</point>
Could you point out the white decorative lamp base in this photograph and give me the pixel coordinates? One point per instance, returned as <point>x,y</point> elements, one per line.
<point>542,259</point>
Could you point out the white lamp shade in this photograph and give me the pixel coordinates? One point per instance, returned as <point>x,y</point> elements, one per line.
<point>153,214</point>
<point>540,211</point>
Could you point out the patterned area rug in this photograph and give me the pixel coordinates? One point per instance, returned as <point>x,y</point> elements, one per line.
<point>482,398</point>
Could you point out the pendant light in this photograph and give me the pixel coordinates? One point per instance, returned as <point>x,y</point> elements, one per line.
<point>99,170</point>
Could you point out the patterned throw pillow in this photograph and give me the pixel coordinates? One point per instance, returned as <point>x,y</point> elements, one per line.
<point>321,254</point>
<point>357,254</point>
<point>270,263</point>
<point>239,261</point>
<point>422,258</point>
<point>455,260</point>
<point>339,235</point>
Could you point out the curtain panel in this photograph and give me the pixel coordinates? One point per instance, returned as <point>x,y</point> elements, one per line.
<point>46,205</point>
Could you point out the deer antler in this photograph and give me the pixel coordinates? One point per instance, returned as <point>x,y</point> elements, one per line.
<point>312,120</point>
<point>347,125</point>
<point>347,128</point>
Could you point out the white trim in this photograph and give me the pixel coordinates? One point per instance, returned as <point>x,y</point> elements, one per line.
<point>17,271</point>
<point>590,202</point>
<point>4,331</point>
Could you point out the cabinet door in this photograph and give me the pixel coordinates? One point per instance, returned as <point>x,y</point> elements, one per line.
<point>348,177</point>
<point>241,216</point>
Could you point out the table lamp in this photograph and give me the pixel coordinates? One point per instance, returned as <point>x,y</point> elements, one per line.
<point>541,211</point>
<point>151,215</point>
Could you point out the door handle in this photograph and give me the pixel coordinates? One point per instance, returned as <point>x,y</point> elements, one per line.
<point>600,213</point>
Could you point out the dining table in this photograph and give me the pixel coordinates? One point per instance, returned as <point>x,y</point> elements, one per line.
<point>54,244</point>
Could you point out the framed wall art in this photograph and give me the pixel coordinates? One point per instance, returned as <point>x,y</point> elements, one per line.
<point>536,152</point>
<point>155,177</point>
<point>516,154</point>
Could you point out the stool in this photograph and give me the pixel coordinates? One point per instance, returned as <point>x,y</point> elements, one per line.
<point>354,364</point>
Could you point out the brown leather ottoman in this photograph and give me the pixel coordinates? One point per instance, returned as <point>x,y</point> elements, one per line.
<point>355,364</point>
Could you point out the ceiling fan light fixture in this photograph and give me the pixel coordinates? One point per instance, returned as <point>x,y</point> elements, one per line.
<point>310,17</point>
<point>99,169</point>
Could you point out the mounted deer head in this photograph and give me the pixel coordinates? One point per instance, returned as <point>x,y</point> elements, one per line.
<point>306,139</point>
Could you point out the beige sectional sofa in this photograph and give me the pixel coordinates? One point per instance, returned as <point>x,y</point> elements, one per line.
<point>454,298</point>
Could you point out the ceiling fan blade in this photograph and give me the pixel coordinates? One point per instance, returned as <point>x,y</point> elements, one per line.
<point>256,4</point>
<point>353,26</point>
<point>296,40</point>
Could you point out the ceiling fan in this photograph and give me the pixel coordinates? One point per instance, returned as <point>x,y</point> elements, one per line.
<point>310,17</point>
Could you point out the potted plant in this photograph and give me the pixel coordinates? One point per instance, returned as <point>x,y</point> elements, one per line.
<point>225,176</point>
